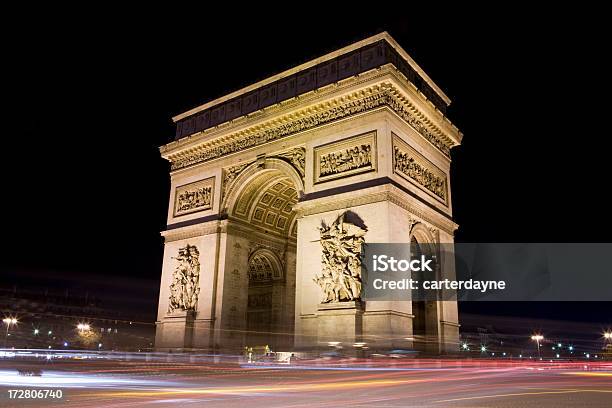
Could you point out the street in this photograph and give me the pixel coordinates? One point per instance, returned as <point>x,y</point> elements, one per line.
<point>398,383</point>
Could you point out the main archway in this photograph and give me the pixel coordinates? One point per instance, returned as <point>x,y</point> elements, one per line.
<point>265,300</point>
<point>260,213</point>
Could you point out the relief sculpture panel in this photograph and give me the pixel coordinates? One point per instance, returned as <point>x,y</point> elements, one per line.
<point>340,276</point>
<point>412,166</point>
<point>185,286</point>
<point>347,157</point>
<point>194,197</point>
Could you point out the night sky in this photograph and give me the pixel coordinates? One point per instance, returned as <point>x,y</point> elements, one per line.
<point>85,192</point>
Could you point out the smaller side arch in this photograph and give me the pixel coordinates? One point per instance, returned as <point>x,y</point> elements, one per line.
<point>263,262</point>
<point>423,236</point>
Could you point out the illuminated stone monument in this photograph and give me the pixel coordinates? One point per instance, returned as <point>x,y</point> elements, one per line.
<point>275,187</point>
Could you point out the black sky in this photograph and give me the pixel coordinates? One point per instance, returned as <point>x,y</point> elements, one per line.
<point>85,191</point>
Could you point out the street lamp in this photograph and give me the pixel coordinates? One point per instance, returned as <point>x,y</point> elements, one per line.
<point>538,338</point>
<point>607,342</point>
<point>83,327</point>
<point>9,321</point>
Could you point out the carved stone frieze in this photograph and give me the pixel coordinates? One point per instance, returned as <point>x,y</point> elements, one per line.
<point>194,197</point>
<point>345,158</point>
<point>229,175</point>
<point>185,286</point>
<point>435,233</point>
<point>411,223</point>
<point>297,157</point>
<point>406,111</point>
<point>410,164</point>
<point>375,97</point>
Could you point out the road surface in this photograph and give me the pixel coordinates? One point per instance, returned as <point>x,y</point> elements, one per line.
<point>388,383</point>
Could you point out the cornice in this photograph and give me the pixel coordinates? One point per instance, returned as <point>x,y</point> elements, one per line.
<point>386,193</point>
<point>232,227</point>
<point>385,312</point>
<point>312,110</point>
<point>192,231</point>
<point>241,229</point>
<point>294,106</point>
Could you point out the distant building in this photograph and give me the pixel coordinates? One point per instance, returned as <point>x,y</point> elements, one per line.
<point>51,320</point>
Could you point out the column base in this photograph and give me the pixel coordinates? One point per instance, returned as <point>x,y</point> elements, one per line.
<point>175,331</point>
<point>339,322</point>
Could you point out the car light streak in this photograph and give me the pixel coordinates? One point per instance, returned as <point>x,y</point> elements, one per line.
<point>520,394</point>
<point>267,389</point>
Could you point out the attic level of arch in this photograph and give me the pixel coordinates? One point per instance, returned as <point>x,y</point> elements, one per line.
<point>327,72</point>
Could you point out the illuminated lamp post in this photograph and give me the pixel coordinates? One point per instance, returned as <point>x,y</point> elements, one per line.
<point>538,338</point>
<point>608,343</point>
<point>9,321</point>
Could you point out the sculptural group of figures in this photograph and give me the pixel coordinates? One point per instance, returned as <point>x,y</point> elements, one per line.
<point>410,167</point>
<point>349,159</point>
<point>185,286</point>
<point>340,277</point>
<point>199,197</point>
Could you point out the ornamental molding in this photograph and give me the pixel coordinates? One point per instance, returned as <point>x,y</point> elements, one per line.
<point>411,223</point>
<point>255,237</point>
<point>193,231</point>
<point>233,227</point>
<point>444,224</point>
<point>229,175</point>
<point>296,157</point>
<point>433,231</point>
<point>387,312</point>
<point>419,213</point>
<point>383,94</point>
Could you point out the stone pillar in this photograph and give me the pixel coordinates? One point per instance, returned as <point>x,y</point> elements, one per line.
<point>176,331</point>
<point>189,328</point>
<point>340,322</point>
<point>231,291</point>
<point>386,323</point>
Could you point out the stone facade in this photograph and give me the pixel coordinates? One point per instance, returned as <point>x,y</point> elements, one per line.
<point>277,201</point>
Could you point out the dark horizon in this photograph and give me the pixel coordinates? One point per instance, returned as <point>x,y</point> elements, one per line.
<point>89,191</point>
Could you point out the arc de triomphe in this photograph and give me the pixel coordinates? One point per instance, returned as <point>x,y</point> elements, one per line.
<point>268,182</point>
